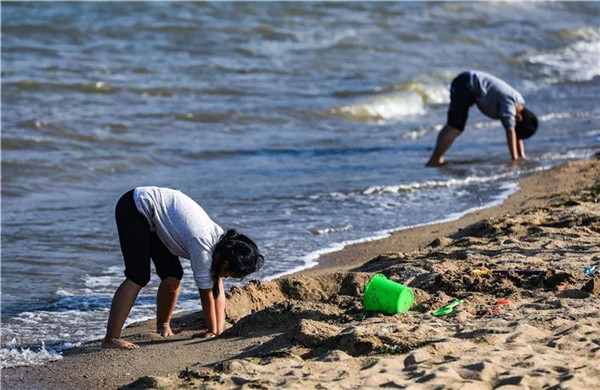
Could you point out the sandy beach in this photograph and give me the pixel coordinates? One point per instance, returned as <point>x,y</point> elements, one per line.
<point>309,330</point>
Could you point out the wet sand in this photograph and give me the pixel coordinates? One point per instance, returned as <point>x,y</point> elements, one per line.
<point>309,330</point>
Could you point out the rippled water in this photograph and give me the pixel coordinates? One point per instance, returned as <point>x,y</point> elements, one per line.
<point>304,125</point>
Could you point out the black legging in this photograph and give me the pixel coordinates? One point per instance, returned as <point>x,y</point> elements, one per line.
<point>139,244</point>
<point>461,99</point>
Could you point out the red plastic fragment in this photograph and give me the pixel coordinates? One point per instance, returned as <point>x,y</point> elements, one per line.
<point>562,287</point>
<point>503,302</point>
<point>497,309</point>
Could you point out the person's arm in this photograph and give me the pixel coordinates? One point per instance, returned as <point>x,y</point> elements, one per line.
<point>214,309</point>
<point>220,303</point>
<point>511,139</point>
<point>521,148</point>
<point>508,116</point>
<point>208,307</point>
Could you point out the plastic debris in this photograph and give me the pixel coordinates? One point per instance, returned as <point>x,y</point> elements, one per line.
<point>447,309</point>
<point>589,270</point>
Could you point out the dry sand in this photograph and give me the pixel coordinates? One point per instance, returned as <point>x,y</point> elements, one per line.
<point>309,330</point>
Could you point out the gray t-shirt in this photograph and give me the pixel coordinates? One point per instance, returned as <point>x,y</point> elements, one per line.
<point>183,226</point>
<point>495,98</point>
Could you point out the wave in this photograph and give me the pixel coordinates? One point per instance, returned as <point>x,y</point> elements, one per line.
<point>75,317</point>
<point>421,132</point>
<point>383,108</point>
<point>318,232</point>
<point>564,115</point>
<point>430,92</point>
<point>542,118</point>
<point>569,155</point>
<point>432,184</point>
<point>308,152</point>
<point>276,43</point>
<point>394,102</point>
<point>578,61</point>
<point>15,356</point>
<point>450,183</point>
<point>103,87</point>
<point>28,143</point>
<point>97,87</point>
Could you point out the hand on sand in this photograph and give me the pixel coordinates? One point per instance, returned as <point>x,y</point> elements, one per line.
<point>118,344</point>
<point>204,335</point>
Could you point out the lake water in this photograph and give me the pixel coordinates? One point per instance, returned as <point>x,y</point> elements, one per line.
<point>303,125</point>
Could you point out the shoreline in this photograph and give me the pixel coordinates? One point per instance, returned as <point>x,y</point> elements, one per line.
<point>321,256</point>
<point>530,192</point>
<point>314,257</point>
<point>325,258</point>
<point>254,309</point>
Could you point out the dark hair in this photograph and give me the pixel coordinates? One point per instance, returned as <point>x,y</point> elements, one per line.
<point>528,126</point>
<point>239,252</point>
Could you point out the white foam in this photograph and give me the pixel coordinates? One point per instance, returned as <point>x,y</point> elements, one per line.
<point>485,124</point>
<point>327,39</point>
<point>577,61</point>
<point>569,155</point>
<point>377,190</point>
<point>105,282</point>
<point>14,356</point>
<point>414,134</point>
<point>430,92</point>
<point>330,230</point>
<point>409,99</point>
<point>304,40</point>
<point>564,115</point>
<point>61,292</point>
<point>70,321</point>
<point>383,107</point>
<point>99,281</point>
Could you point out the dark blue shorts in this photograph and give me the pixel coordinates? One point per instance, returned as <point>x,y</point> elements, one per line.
<point>139,244</point>
<point>461,99</point>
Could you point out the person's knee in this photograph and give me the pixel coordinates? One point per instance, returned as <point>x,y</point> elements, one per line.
<point>171,283</point>
<point>449,132</point>
<point>140,280</point>
<point>173,272</point>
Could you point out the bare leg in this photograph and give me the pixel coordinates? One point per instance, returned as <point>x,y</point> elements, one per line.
<point>444,140</point>
<point>119,310</point>
<point>166,299</point>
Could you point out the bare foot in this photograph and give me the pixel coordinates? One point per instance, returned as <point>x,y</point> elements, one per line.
<point>431,164</point>
<point>165,331</point>
<point>435,163</point>
<point>203,335</point>
<point>118,344</point>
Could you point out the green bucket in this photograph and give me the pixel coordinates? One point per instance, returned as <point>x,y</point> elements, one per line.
<point>384,295</point>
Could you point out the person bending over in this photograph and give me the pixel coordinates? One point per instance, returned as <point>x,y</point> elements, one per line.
<point>495,99</point>
<point>164,224</point>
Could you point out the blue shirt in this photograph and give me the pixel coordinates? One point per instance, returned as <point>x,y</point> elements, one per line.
<point>495,98</point>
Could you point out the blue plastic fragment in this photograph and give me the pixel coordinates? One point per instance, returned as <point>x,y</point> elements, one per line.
<point>589,270</point>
